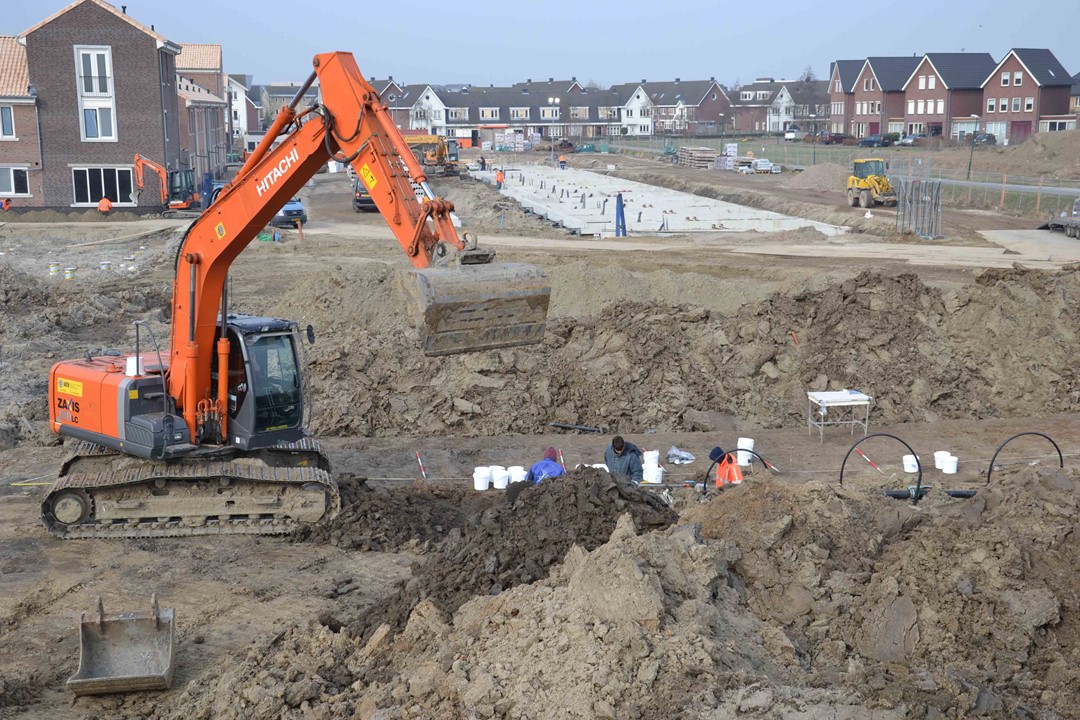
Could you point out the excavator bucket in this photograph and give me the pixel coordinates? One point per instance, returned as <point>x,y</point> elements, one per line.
<point>125,652</point>
<point>480,306</point>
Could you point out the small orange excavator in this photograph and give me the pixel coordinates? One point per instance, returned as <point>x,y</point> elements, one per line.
<point>177,188</point>
<point>213,440</point>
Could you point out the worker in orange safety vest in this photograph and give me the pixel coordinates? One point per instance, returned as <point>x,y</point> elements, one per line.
<point>104,206</point>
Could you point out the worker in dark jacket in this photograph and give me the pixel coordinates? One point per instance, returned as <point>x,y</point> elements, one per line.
<point>549,467</point>
<point>623,459</point>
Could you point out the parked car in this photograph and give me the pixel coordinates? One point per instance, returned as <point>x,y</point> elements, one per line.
<point>291,214</point>
<point>912,139</point>
<point>985,139</point>
<point>792,133</point>
<point>362,200</point>
<point>833,138</point>
<point>875,141</point>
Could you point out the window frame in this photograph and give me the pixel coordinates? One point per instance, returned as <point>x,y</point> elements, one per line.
<point>489,113</point>
<point>931,82</point>
<point>991,105</point>
<point>10,170</point>
<point>1018,78</point>
<point>940,106</point>
<point>96,100</point>
<point>1016,104</point>
<point>911,107</point>
<point>14,136</point>
<point>922,82</point>
<point>1005,75</point>
<point>91,202</point>
<point>1029,104</point>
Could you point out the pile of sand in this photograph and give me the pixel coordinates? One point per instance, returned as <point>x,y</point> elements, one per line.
<point>824,175</point>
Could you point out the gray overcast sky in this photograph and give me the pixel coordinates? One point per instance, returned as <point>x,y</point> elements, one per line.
<point>484,41</point>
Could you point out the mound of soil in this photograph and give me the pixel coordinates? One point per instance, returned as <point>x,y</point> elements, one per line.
<point>823,175</point>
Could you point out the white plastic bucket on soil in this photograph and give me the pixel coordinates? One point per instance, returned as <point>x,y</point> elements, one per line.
<point>69,273</point>
<point>744,458</point>
<point>105,265</point>
<point>499,477</point>
<point>939,458</point>
<point>652,475</point>
<point>481,477</point>
<point>650,458</point>
<point>517,473</point>
<point>54,268</point>
<point>910,465</point>
<point>949,465</point>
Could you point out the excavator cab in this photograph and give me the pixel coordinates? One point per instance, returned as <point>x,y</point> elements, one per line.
<point>182,192</point>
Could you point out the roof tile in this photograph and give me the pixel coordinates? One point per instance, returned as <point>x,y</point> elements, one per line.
<point>199,56</point>
<point>14,76</point>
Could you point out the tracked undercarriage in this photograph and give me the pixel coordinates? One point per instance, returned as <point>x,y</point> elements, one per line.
<point>101,493</point>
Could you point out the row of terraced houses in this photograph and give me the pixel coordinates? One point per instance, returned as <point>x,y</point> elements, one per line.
<point>954,94</point>
<point>88,87</point>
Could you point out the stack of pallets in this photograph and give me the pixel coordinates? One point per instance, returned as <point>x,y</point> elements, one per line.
<point>696,157</point>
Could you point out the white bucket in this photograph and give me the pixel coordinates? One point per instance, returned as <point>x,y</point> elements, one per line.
<point>652,475</point>
<point>949,465</point>
<point>744,458</point>
<point>910,465</point>
<point>69,273</point>
<point>939,458</point>
<point>105,265</point>
<point>650,458</point>
<point>481,477</point>
<point>499,477</point>
<point>517,473</point>
<point>54,268</point>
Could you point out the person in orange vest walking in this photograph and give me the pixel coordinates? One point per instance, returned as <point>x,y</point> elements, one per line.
<point>562,162</point>
<point>499,177</point>
<point>104,206</point>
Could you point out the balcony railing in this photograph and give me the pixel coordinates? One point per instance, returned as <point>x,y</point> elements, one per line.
<point>95,85</point>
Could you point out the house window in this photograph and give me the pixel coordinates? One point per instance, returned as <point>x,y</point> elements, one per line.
<point>1029,104</point>
<point>763,95</point>
<point>1005,79</point>
<point>922,82</point>
<point>1016,104</point>
<point>7,123</point>
<point>941,107</point>
<point>458,113</point>
<point>991,105</point>
<point>549,113</point>
<point>519,113</point>
<point>579,113</point>
<point>1056,125</point>
<point>921,104</point>
<point>872,86</point>
<point>746,96</point>
<point>489,113</point>
<point>931,82</point>
<point>97,111</point>
<point>837,87</point>
<point>877,108</point>
<point>644,129</point>
<point>910,107</point>
<point>92,184</point>
<point>13,181</point>
<point>1018,78</point>
<point>866,84</point>
<point>629,112</point>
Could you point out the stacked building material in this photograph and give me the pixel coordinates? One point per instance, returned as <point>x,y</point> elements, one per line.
<point>696,157</point>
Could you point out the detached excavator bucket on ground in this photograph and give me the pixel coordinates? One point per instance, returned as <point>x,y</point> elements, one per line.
<point>480,306</point>
<point>125,652</point>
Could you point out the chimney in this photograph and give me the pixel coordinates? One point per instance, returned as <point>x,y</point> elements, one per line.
<point>529,80</point>
<point>123,9</point>
<point>573,79</point>
<point>551,80</point>
<point>712,78</point>
<point>676,81</point>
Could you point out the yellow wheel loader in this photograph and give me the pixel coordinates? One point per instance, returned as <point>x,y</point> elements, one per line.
<point>868,185</point>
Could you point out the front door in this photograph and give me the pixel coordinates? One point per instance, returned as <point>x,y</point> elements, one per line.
<point>875,128</point>
<point>1020,130</point>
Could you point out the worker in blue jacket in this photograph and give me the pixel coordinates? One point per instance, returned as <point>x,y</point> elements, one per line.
<point>549,467</point>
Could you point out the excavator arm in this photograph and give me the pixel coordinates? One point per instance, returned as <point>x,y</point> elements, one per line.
<point>139,167</point>
<point>467,305</point>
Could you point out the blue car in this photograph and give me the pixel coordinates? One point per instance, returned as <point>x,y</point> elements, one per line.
<point>291,214</point>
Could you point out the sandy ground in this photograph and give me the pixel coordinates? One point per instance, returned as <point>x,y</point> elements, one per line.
<point>691,342</point>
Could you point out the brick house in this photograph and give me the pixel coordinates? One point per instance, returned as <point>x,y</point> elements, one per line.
<point>751,104</point>
<point>1074,103</point>
<point>688,106</point>
<point>20,151</point>
<point>106,90</point>
<point>943,93</point>
<point>1028,91</point>
<point>878,98</point>
<point>843,75</point>
<point>204,136</point>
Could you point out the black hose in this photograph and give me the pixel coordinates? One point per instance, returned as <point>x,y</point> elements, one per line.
<point>918,493</point>
<point>990,470</point>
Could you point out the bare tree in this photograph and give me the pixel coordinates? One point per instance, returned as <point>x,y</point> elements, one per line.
<point>593,85</point>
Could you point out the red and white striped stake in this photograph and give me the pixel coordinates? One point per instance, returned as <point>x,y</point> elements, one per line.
<point>420,462</point>
<point>872,464</point>
<point>561,461</point>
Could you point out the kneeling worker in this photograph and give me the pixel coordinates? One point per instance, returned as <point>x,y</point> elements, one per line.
<point>104,206</point>
<point>547,468</point>
<point>624,460</point>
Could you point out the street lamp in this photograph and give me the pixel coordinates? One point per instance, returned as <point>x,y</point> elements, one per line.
<point>723,126</point>
<point>553,104</point>
<point>813,145</point>
<point>971,154</point>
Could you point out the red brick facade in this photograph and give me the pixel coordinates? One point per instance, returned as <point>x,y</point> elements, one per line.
<point>22,153</point>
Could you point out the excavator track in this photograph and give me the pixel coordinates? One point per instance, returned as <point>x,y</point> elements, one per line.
<point>101,493</point>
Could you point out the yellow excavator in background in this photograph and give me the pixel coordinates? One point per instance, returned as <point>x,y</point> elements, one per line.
<point>867,185</point>
<point>435,151</point>
<point>176,188</point>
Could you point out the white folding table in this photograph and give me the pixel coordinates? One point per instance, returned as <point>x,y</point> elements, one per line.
<point>844,404</point>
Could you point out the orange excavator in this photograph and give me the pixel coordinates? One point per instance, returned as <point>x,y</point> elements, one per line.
<point>177,188</point>
<point>211,438</point>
